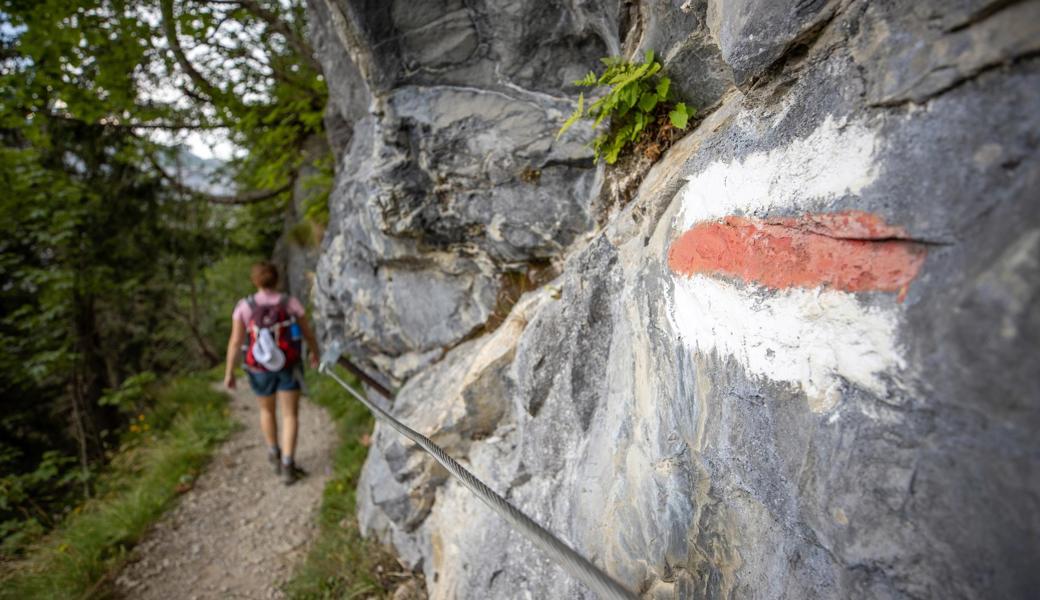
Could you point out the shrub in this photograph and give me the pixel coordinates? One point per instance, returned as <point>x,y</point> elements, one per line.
<point>79,557</point>
<point>637,94</point>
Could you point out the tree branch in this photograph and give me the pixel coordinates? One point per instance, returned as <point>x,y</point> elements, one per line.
<point>164,125</point>
<point>215,29</point>
<point>279,25</point>
<point>173,125</point>
<point>245,198</point>
<point>208,353</point>
<point>169,25</point>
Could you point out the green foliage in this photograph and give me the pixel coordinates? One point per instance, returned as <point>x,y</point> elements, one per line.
<point>679,115</point>
<point>110,272</point>
<point>636,92</point>
<point>579,111</point>
<point>81,52</point>
<point>317,185</point>
<point>342,564</point>
<point>317,188</point>
<point>257,84</point>
<point>129,395</point>
<point>95,537</point>
<point>223,284</point>
<point>94,256</point>
<point>113,277</point>
<point>55,470</point>
<point>303,234</point>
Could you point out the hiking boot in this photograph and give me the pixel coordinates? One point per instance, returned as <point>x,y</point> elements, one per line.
<point>275,458</point>
<point>290,473</point>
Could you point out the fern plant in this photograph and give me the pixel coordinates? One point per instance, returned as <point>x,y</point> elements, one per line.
<point>638,92</point>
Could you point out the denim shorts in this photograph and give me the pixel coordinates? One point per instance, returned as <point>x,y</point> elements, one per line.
<point>266,383</point>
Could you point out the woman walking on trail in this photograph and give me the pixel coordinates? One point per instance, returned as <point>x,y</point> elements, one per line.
<point>272,324</point>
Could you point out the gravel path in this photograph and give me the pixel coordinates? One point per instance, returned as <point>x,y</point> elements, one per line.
<point>239,531</point>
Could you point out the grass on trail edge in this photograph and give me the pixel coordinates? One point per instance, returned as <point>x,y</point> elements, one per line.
<point>340,563</point>
<point>77,559</point>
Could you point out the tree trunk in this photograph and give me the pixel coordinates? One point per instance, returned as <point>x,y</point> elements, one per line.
<point>91,370</point>
<point>80,431</point>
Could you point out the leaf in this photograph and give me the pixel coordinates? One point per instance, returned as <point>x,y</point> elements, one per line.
<point>607,76</point>
<point>622,133</point>
<point>628,76</point>
<point>662,87</point>
<point>679,116</point>
<point>616,144</point>
<point>571,120</point>
<point>598,144</point>
<point>638,126</point>
<point>649,58</point>
<point>648,101</point>
<point>630,96</point>
<point>603,107</point>
<point>588,81</point>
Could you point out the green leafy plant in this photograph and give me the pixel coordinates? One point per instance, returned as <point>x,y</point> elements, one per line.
<point>130,394</point>
<point>638,94</point>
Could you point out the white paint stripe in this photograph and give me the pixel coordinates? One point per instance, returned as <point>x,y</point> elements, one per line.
<point>833,160</point>
<point>810,338</point>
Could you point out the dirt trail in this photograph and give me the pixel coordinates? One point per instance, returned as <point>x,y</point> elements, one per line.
<point>239,531</point>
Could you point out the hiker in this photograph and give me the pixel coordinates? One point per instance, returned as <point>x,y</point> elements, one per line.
<point>272,323</point>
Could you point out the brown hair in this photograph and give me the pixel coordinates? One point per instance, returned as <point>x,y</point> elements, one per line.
<point>264,275</point>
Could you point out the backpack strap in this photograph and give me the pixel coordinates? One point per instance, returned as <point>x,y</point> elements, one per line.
<point>250,301</point>
<point>283,302</point>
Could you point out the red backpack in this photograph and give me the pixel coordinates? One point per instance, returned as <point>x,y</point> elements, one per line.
<point>282,325</point>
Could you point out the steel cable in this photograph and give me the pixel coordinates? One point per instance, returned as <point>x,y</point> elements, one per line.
<point>575,564</point>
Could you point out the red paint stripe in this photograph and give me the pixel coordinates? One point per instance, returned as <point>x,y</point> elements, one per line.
<point>851,251</point>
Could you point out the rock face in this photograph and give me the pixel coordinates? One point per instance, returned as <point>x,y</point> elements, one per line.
<point>450,177</point>
<point>799,364</point>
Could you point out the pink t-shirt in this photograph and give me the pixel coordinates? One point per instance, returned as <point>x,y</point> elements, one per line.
<point>244,313</point>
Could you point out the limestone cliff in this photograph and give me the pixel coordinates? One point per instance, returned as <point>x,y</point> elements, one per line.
<point>800,362</point>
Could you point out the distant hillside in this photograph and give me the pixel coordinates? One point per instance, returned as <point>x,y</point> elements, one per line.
<point>204,174</point>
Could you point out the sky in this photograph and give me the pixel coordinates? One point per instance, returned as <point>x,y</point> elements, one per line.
<point>211,144</point>
<point>6,29</point>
